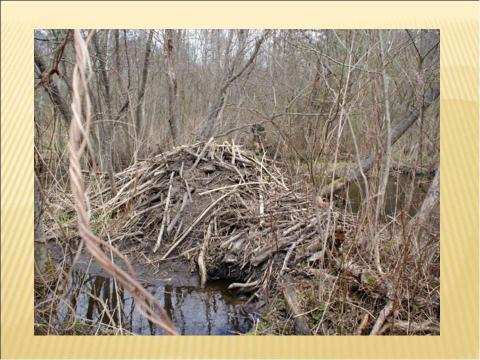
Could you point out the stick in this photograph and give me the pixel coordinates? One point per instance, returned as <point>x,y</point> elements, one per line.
<point>301,326</point>
<point>243,285</point>
<point>162,227</point>
<point>199,157</point>
<point>233,152</point>
<point>384,313</point>
<point>197,220</point>
<point>233,186</point>
<point>235,237</point>
<point>261,210</point>
<point>188,189</point>
<point>409,327</point>
<point>264,253</point>
<point>362,325</point>
<point>179,212</point>
<point>201,257</point>
<point>287,258</point>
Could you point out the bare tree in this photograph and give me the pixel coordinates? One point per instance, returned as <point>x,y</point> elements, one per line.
<point>387,157</point>
<point>209,124</point>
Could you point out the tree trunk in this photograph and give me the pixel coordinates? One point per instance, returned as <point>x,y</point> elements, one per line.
<point>388,141</point>
<point>40,244</point>
<point>429,203</point>
<point>143,83</point>
<point>108,125</point>
<point>387,155</point>
<point>52,89</point>
<point>173,118</point>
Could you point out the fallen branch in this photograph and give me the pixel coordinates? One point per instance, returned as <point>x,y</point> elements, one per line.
<point>396,134</point>
<point>243,285</point>
<point>265,253</point>
<point>409,327</point>
<point>384,314</point>
<point>200,156</point>
<point>300,322</point>
<point>287,258</point>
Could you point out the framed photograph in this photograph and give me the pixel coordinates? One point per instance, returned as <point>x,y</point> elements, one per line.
<point>239,179</point>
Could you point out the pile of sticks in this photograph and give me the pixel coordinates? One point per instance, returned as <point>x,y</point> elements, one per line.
<point>219,204</point>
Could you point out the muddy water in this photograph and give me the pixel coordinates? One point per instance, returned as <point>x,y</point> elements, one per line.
<point>395,197</point>
<point>194,311</point>
<point>97,300</point>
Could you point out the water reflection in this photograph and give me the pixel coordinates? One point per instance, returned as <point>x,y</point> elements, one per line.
<point>194,311</point>
<point>395,196</point>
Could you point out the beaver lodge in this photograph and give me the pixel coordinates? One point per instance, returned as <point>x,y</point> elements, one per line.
<point>300,265</point>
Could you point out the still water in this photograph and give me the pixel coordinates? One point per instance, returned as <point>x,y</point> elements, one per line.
<point>212,310</point>
<point>395,196</point>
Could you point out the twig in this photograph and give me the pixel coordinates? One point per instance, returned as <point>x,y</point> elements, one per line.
<point>287,258</point>
<point>201,257</point>
<point>362,325</point>
<point>243,285</point>
<point>197,220</point>
<point>179,213</point>
<point>167,203</point>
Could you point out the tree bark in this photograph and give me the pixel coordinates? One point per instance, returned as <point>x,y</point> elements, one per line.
<point>173,118</point>
<point>108,126</point>
<point>429,203</point>
<point>40,245</point>
<point>52,89</point>
<point>143,83</point>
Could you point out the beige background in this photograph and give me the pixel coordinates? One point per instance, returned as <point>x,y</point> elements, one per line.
<point>458,22</point>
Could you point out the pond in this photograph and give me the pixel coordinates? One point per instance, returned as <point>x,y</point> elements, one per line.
<point>212,310</point>
<point>398,187</point>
